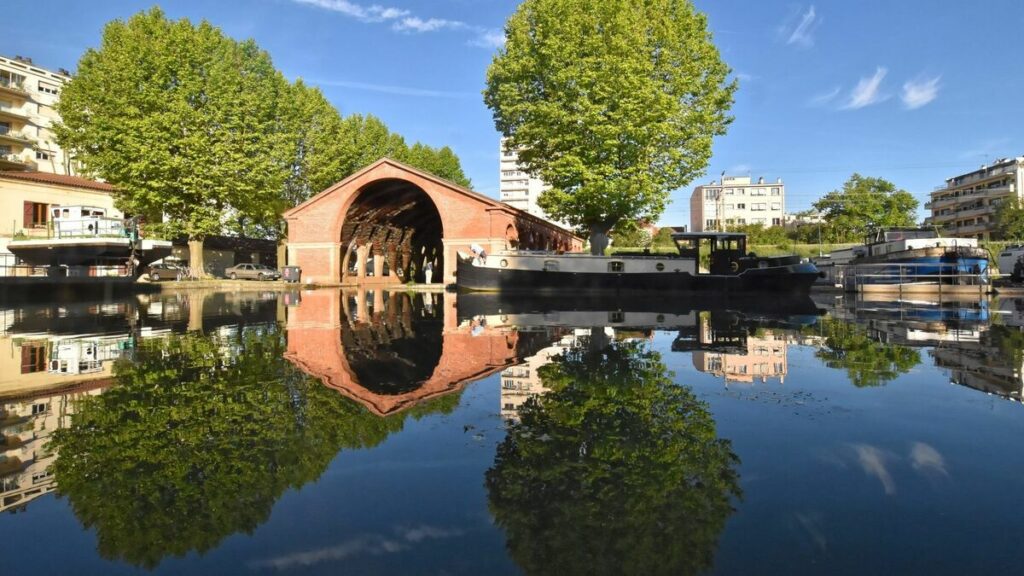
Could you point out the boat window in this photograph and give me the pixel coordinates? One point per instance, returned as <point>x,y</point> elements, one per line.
<point>659,266</point>
<point>65,213</point>
<point>551,265</point>
<point>615,266</point>
<point>616,316</point>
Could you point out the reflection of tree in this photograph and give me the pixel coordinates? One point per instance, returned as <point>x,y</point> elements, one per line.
<point>199,438</point>
<point>617,470</point>
<point>867,362</point>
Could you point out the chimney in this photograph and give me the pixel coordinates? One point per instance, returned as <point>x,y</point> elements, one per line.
<point>778,180</point>
<point>24,59</point>
<point>760,180</point>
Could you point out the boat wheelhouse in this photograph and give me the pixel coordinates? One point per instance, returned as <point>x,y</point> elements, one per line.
<point>703,262</point>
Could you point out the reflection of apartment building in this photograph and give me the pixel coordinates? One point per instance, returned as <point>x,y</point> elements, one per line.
<point>736,201</point>
<point>521,382</point>
<point>981,366</point>
<point>517,188</point>
<point>28,96</point>
<point>25,458</point>
<point>764,358</point>
<point>966,205</point>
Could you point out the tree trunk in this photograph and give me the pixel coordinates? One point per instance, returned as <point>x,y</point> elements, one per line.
<point>195,257</point>
<point>599,237</point>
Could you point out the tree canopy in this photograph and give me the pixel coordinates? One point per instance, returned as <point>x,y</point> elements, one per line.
<point>201,134</point>
<point>194,444</point>
<point>616,470</point>
<point>863,204</point>
<point>613,104</point>
<point>867,362</point>
<point>1010,220</point>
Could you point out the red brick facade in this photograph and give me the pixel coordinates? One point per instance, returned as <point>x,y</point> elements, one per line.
<point>467,218</point>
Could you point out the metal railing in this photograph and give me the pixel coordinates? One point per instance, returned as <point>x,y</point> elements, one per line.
<point>13,84</point>
<point>89,227</point>
<point>902,277</point>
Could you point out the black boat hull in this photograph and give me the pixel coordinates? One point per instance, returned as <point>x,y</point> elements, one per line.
<point>793,279</point>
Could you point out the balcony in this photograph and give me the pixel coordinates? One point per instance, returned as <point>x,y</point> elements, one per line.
<point>974,229</point>
<point>975,211</point>
<point>14,162</point>
<point>13,88</point>
<point>15,136</point>
<point>968,180</point>
<point>13,113</point>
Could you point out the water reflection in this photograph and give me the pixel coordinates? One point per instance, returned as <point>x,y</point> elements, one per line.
<point>615,469</point>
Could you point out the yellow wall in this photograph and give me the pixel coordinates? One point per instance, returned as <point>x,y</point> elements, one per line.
<point>14,193</point>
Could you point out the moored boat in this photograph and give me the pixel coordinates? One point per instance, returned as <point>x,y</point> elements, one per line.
<point>728,267</point>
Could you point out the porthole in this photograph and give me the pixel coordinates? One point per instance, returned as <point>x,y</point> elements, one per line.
<point>504,263</point>
<point>659,266</point>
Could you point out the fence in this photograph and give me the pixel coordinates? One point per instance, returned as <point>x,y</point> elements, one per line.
<point>915,277</point>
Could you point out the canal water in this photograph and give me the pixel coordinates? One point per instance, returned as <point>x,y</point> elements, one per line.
<point>378,432</point>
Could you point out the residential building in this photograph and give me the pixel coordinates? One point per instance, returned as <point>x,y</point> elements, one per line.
<point>737,201</point>
<point>966,205</point>
<point>26,197</point>
<point>28,98</point>
<point>758,357</point>
<point>517,188</point>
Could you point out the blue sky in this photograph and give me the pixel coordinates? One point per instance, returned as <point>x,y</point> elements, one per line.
<point>913,91</point>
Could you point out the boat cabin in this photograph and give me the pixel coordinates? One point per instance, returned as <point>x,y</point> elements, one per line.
<point>896,234</point>
<point>84,221</point>
<point>722,250</point>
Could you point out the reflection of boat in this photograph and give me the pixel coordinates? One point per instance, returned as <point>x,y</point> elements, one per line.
<point>918,322</point>
<point>730,269</point>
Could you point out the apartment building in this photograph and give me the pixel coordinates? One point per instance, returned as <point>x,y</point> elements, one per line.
<point>517,188</point>
<point>965,206</point>
<point>737,201</point>
<point>28,98</point>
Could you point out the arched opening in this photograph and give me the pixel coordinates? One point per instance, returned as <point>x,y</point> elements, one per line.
<point>392,234</point>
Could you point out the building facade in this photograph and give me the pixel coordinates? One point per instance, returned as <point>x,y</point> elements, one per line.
<point>966,205</point>
<point>28,99</point>
<point>737,201</point>
<point>517,188</point>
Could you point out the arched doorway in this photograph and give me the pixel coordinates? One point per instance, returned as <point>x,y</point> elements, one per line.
<point>392,233</point>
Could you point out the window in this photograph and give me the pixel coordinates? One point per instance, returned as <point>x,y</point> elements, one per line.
<point>741,206</point>
<point>776,206</point>
<point>40,155</point>
<point>758,192</point>
<point>741,221</point>
<point>759,206</point>
<point>711,223</point>
<point>47,88</point>
<point>775,192</point>
<point>551,265</point>
<point>776,221</point>
<point>35,215</point>
<point>39,409</point>
<point>759,220</point>
<point>730,206</point>
<point>711,194</point>
<point>33,359</point>
<point>615,266</point>
<point>728,191</point>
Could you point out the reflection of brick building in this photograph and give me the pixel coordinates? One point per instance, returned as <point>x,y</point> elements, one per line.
<point>25,428</point>
<point>391,350</point>
<point>763,357</point>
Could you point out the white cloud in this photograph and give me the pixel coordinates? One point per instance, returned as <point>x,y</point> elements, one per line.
<point>925,458</point>
<point>414,24</point>
<point>802,33</point>
<point>488,38</point>
<point>391,89</point>
<point>917,93</point>
<point>873,462</point>
<point>824,97</point>
<point>867,91</point>
<point>372,13</point>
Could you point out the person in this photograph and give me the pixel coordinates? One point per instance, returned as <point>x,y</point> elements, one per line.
<point>428,271</point>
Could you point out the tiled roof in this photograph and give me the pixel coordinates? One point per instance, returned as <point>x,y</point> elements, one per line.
<point>58,179</point>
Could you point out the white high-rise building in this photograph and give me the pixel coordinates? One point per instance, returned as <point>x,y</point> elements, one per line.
<point>28,98</point>
<point>736,201</point>
<point>517,188</point>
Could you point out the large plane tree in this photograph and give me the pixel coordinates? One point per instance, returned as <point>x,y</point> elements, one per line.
<point>613,103</point>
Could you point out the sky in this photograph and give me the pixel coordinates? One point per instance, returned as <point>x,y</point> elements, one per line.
<point>913,91</point>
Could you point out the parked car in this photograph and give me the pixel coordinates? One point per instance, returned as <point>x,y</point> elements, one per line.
<point>164,271</point>
<point>252,272</point>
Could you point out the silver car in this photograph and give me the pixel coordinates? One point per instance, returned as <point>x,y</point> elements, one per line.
<point>252,272</point>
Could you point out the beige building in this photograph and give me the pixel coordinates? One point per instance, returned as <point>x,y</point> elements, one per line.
<point>764,357</point>
<point>28,98</point>
<point>737,201</point>
<point>966,205</point>
<point>26,198</point>
<point>517,188</point>
<point>521,382</point>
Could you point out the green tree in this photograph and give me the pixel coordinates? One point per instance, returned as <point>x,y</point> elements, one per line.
<point>867,362</point>
<point>863,204</point>
<point>1010,220</point>
<point>629,234</point>
<point>441,162</point>
<point>194,443</point>
<point>184,121</point>
<point>616,470</point>
<point>663,238</point>
<point>613,103</point>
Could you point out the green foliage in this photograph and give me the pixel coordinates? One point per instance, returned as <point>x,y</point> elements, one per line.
<point>663,238</point>
<point>199,437</point>
<point>864,204</point>
<point>759,234</point>
<point>614,104</point>
<point>201,134</point>
<point>616,470</point>
<point>1010,220</point>
<point>183,120</point>
<point>628,234</point>
<point>867,362</point>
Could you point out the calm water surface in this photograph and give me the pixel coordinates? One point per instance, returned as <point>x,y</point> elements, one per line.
<point>392,433</point>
